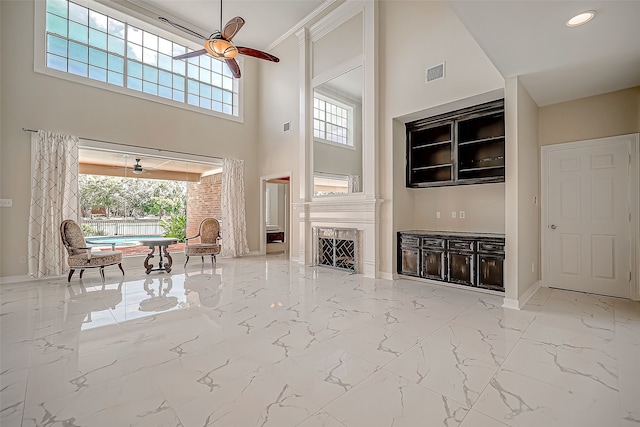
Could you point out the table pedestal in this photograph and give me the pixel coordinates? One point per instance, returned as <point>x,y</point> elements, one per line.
<point>163,250</point>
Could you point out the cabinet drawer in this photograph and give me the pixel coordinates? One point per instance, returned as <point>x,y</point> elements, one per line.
<point>461,245</point>
<point>491,247</point>
<point>432,242</point>
<point>406,241</point>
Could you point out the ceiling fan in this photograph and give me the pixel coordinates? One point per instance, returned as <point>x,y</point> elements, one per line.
<point>137,168</point>
<point>219,44</point>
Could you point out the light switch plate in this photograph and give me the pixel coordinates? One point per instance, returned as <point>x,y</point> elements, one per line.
<point>6,203</point>
<point>453,214</point>
<point>437,214</point>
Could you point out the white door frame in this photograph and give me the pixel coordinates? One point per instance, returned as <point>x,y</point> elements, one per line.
<point>634,200</point>
<point>263,205</point>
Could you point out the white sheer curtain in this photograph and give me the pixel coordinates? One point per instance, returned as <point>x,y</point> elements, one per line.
<point>54,198</point>
<point>234,222</point>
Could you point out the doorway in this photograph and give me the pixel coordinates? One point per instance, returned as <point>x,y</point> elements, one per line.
<point>589,211</point>
<point>275,214</point>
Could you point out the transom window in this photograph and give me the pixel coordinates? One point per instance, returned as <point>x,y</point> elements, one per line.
<point>332,121</point>
<point>93,45</point>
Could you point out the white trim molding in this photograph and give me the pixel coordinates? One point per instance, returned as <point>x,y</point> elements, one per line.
<point>355,210</point>
<point>518,304</point>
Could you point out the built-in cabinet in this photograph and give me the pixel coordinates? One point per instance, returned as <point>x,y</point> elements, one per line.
<point>461,147</point>
<point>471,259</point>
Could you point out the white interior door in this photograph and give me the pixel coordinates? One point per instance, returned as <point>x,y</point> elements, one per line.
<point>588,217</point>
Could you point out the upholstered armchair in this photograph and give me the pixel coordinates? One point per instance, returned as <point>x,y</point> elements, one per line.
<point>209,233</point>
<point>80,256</point>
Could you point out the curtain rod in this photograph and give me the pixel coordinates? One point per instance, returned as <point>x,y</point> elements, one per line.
<point>135,146</point>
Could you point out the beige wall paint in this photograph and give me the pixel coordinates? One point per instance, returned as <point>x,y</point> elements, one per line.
<point>483,207</point>
<point>610,114</point>
<point>38,101</point>
<point>522,217</point>
<point>279,151</point>
<point>437,36</point>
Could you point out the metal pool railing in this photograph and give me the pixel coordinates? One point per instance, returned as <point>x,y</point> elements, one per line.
<point>129,226</point>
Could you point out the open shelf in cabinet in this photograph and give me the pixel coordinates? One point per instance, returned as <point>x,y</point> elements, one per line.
<point>462,147</point>
<point>432,173</point>
<point>480,128</point>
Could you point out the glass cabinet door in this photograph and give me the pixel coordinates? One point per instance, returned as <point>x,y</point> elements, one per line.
<point>410,261</point>
<point>461,268</point>
<point>433,264</point>
<point>491,272</point>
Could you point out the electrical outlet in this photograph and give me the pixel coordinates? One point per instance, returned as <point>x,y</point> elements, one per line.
<point>461,215</point>
<point>438,215</point>
<point>453,214</point>
<point>6,203</point>
<point>535,200</point>
<point>23,260</point>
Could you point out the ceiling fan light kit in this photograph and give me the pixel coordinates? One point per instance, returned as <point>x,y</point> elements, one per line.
<point>219,44</point>
<point>220,48</point>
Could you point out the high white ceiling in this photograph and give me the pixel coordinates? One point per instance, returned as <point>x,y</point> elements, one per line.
<point>557,63</point>
<point>265,20</point>
<point>526,38</point>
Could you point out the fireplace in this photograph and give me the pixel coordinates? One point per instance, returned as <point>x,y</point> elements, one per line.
<point>336,248</point>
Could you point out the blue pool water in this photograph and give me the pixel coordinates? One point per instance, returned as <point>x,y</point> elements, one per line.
<point>118,240</point>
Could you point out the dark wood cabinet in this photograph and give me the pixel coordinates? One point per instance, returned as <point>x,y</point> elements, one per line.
<point>491,265</point>
<point>434,259</point>
<point>462,147</point>
<point>471,259</point>
<point>461,261</point>
<point>409,255</point>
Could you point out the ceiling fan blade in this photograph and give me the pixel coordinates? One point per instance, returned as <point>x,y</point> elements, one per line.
<point>181,28</point>
<point>232,27</point>
<point>191,54</point>
<point>233,67</point>
<point>257,54</point>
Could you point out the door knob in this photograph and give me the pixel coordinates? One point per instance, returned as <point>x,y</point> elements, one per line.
<point>553,226</point>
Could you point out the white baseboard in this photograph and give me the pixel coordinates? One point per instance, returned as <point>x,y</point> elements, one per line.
<point>524,299</point>
<point>511,303</point>
<point>517,304</point>
<point>387,276</point>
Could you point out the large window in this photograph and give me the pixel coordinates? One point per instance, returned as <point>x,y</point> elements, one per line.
<point>332,121</point>
<point>97,46</point>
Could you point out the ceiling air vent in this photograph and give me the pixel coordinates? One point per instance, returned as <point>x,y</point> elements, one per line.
<point>434,73</point>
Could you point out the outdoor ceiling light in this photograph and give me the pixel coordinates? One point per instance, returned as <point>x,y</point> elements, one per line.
<point>581,18</point>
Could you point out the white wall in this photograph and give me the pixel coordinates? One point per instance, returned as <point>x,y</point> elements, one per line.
<point>279,98</point>
<point>38,101</point>
<point>522,222</point>
<point>432,35</point>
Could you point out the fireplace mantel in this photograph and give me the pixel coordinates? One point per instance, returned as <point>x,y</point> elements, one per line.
<point>352,212</point>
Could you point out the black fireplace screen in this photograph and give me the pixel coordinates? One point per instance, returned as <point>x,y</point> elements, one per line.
<point>336,248</point>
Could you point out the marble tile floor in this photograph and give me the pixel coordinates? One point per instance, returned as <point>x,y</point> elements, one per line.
<point>261,342</point>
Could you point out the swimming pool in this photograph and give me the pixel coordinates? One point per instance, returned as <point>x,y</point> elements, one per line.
<point>118,240</point>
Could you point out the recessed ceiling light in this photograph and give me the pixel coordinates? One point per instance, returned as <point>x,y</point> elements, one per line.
<point>581,18</point>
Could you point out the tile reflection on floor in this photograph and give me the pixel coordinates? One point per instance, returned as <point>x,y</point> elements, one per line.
<point>262,342</point>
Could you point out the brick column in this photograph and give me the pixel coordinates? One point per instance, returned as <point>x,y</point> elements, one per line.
<point>203,201</point>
